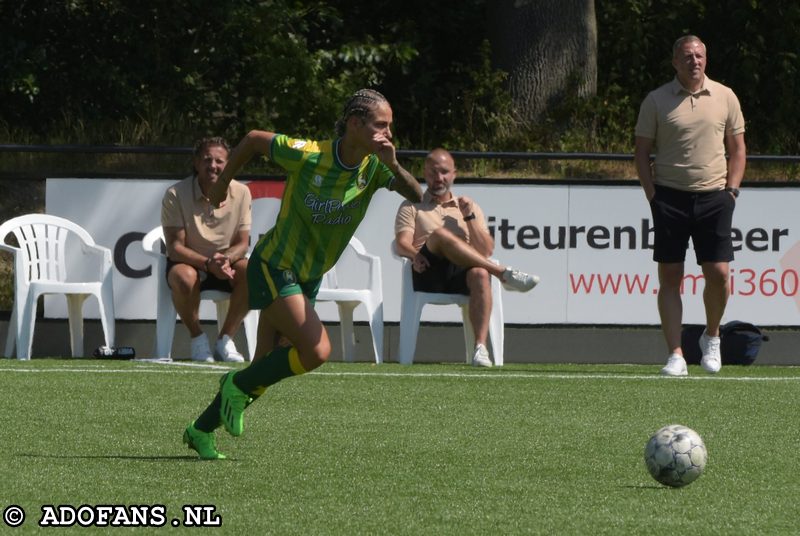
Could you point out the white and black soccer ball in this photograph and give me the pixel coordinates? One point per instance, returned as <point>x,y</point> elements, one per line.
<point>675,455</point>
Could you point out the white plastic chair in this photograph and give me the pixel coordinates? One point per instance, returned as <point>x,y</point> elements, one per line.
<point>153,244</point>
<point>347,299</point>
<point>412,303</point>
<point>41,263</point>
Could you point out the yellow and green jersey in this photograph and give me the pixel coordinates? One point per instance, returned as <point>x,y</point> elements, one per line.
<point>322,205</point>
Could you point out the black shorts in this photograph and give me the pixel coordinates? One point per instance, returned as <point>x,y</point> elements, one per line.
<point>208,281</point>
<point>705,217</point>
<point>441,276</point>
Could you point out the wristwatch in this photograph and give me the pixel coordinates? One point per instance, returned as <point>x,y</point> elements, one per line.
<point>734,191</point>
<point>470,217</point>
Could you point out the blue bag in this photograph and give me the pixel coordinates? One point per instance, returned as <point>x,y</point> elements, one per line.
<point>740,344</point>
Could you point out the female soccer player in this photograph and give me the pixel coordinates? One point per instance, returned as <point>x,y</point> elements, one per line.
<point>328,189</point>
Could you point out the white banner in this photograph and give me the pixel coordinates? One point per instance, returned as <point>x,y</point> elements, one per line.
<point>590,244</point>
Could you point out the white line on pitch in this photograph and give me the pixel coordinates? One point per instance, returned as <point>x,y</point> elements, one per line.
<point>194,368</point>
<point>557,376</point>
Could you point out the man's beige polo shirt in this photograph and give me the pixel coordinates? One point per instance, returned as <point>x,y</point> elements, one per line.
<point>689,131</point>
<point>208,230</point>
<point>426,216</point>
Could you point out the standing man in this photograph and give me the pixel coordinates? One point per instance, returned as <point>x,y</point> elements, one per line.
<point>689,123</point>
<point>449,245</point>
<point>206,248</point>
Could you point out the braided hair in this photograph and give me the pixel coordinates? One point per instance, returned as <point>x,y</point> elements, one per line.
<point>360,104</point>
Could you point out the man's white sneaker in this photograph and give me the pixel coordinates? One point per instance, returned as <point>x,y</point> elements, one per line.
<point>519,281</point>
<point>481,357</point>
<point>676,366</point>
<point>711,360</point>
<point>200,349</point>
<point>227,351</point>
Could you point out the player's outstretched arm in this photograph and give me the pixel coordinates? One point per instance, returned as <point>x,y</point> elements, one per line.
<point>255,142</point>
<point>406,184</point>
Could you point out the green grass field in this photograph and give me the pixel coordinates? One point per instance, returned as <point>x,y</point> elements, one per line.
<point>426,449</point>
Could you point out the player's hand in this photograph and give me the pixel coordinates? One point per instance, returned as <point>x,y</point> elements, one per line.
<point>384,149</point>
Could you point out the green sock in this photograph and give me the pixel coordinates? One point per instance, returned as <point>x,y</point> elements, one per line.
<point>283,362</point>
<point>209,420</point>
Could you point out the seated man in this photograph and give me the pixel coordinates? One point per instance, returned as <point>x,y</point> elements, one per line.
<point>206,247</point>
<point>449,244</point>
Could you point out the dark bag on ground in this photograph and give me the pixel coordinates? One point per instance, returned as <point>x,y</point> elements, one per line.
<point>741,342</point>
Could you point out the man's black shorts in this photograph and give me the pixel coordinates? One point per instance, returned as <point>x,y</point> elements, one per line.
<point>210,282</point>
<point>705,217</point>
<point>441,276</point>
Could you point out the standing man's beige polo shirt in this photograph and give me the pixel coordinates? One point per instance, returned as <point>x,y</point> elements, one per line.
<point>689,131</point>
<point>425,217</point>
<point>208,229</point>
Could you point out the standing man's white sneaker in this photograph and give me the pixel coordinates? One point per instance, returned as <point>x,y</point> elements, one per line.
<point>201,351</point>
<point>712,359</point>
<point>676,366</point>
<point>227,351</point>
<point>481,357</point>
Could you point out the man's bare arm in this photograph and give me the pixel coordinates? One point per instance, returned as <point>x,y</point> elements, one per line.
<point>644,169</point>
<point>404,244</point>
<point>737,158</point>
<point>178,251</point>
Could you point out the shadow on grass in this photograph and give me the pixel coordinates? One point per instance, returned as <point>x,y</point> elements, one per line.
<point>186,457</point>
<point>649,486</point>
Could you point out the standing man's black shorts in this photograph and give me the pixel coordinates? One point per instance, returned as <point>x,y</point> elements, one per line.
<point>441,276</point>
<point>705,217</point>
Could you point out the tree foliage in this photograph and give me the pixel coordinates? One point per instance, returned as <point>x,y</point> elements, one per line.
<point>548,47</point>
<point>221,66</point>
<point>753,47</point>
<point>113,71</point>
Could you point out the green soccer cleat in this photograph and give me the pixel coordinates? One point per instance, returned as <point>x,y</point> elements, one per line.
<point>203,443</point>
<point>231,410</point>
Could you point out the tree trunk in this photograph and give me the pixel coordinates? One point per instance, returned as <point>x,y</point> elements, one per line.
<point>547,47</point>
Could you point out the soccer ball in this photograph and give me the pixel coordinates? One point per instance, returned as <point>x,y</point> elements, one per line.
<point>675,455</point>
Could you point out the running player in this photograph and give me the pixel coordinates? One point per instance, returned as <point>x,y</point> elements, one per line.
<point>328,189</point>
